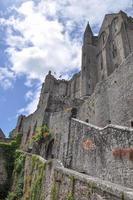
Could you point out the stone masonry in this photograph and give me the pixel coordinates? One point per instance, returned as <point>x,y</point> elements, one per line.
<point>91,115</point>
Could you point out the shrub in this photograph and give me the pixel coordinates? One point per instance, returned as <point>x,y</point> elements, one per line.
<point>41,134</point>
<point>123,152</point>
<point>88,144</point>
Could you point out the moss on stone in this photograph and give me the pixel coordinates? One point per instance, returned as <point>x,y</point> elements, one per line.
<point>8,149</point>
<point>69,196</point>
<point>18,175</point>
<point>54,192</point>
<point>36,184</point>
<point>122,196</point>
<point>91,188</point>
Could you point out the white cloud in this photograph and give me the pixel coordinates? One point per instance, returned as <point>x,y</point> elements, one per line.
<point>50,35</point>
<point>6,78</point>
<point>31,107</point>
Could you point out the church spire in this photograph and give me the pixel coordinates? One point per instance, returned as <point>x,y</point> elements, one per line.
<point>88,34</point>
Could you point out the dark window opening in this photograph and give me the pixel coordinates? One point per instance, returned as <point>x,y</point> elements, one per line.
<point>103,38</point>
<point>101,65</point>
<point>49,150</point>
<point>87,120</point>
<point>114,51</point>
<point>74,112</point>
<point>132,124</point>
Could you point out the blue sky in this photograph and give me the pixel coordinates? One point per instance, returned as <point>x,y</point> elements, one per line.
<point>41,35</point>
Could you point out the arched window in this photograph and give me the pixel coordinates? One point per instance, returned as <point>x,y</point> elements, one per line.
<point>49,150</point>
<point>74,112</point>
<point>114,50</point>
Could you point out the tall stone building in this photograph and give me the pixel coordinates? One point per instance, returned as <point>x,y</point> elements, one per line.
<point>96,104</point>
<point>102,91</point>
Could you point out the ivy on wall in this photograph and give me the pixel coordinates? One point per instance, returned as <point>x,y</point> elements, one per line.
<point>8,149</point>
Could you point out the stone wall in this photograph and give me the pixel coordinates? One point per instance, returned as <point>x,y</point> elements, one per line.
<point>105,153</point>
<point>112,100</point>
<point>77,186</point>
<point>49,180</point>
<point>3,171</point>
<point>60,127</point>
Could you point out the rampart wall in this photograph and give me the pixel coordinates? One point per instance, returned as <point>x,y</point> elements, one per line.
<point>49,180</point>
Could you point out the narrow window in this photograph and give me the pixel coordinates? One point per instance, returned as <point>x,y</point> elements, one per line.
<point>101,64</point>
<point>132,124</point>
<point>114,50</point>
<point>103,38</point>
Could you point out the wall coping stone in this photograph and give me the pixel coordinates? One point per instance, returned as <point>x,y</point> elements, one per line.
<point>112,188</point>
<point>124,128</point>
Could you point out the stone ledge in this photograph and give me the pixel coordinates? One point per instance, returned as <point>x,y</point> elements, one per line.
<point>113,189</point>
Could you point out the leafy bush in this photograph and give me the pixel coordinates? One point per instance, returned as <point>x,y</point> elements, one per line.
<point>11,196</point>
<point>41,134</point>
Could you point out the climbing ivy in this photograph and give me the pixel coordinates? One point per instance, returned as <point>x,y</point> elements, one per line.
<point>8,149</point>
<point>70,196</point>
<point>54,192</point>
<point>18,175</point>
<point>41,134</point>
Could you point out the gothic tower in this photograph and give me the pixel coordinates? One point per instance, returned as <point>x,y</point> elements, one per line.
<point>89,63</point>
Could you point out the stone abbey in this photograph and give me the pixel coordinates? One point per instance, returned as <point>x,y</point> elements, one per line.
<point>90,118</point>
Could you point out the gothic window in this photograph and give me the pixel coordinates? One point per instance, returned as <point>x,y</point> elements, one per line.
<point>104,37</point>
<point>114,50</point>
<point>101,64</point>
<point>74,112</point>
<point>49,150</point>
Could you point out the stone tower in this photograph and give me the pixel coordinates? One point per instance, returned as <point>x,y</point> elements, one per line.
<point>89,63</point>
<point>115,43</point>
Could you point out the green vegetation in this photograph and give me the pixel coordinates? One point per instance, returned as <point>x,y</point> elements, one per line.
<point>122,196</point>
<point>54,192</point>
<point>36,186</point>
<point>42,134</point>
<point>8,149</point>
<point>91,189</point>
<point>70,196</point>
<point>18,175</point>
